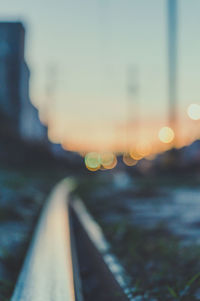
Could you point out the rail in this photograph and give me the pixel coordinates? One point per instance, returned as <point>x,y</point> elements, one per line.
<point>47,273</point>
<point>51,270</point>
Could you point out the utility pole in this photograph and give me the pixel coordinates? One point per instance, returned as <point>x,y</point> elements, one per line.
<point>172,61</point>
<point>132,103</point>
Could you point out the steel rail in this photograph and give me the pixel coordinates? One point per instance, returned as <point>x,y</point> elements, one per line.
<point>51,270</point>
<point>47,273</point>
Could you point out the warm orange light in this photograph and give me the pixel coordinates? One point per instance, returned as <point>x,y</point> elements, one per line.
<point>92,169</point>
<point>128,160</point>
<point>166,135</point>
<point>143,148</point>
<point>111,165</point>
<point>193,111</point>
<point>107,159</point>
<point>135,155</point>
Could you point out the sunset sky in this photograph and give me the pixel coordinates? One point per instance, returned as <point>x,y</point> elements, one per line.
<point>89,46</point>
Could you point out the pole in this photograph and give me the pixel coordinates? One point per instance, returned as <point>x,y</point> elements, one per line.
<point>132,102</point>
<point>172,61</point>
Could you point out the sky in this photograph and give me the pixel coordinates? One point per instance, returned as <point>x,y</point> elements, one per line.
<point>81,50</point>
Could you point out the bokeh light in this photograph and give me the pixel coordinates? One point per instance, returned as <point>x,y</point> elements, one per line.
<point>135,155</point>
<point>193,111</point>
<point>108,160</point>
<point>112,164</point>
<point>166,134</point>
<point>128,160</point>
<point>92,169</point>
<point>93,161</point>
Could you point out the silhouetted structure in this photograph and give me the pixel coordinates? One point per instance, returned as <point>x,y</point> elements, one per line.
<point>11,60</point>
<point>17,114</point>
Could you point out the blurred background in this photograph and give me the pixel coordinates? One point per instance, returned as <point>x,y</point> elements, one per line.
<point>105,76</point>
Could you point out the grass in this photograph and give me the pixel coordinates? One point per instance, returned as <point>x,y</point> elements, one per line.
<point>156,260</point>
<point>160,266</point>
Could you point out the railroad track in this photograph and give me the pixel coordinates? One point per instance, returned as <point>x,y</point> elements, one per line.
<point>69,258</point>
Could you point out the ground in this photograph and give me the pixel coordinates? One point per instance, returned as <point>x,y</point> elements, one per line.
<point>153,227</point>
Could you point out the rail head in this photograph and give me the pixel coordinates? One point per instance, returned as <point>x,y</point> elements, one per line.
<point>47,273</point>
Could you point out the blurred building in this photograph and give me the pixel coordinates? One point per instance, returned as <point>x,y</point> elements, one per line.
<point>17,114</point>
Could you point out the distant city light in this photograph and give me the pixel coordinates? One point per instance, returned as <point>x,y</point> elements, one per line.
<point>112,165</point>
<point>100,161</point>
<point>166,135</point>
<point>93,161</point>
<point>128,160</point>
<point>108,160</point>
<point>193,111</point>
<point>135,155</point>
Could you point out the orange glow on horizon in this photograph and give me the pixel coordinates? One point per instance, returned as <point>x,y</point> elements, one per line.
<point>149,141</point>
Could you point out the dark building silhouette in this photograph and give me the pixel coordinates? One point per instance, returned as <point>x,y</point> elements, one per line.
<point>17,114</point>
<point>11,60</point>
